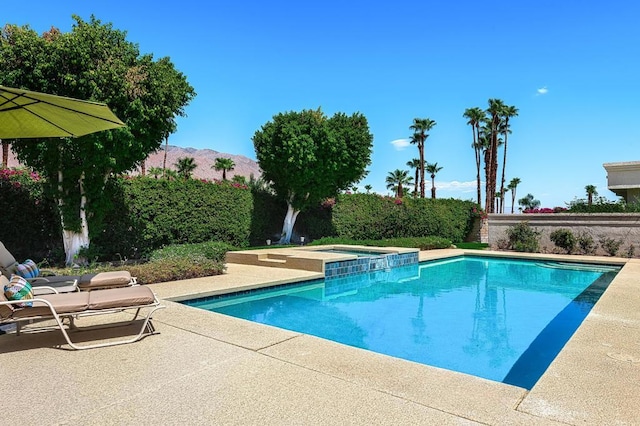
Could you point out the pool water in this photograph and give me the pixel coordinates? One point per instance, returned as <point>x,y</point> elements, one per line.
<point>501,319</point>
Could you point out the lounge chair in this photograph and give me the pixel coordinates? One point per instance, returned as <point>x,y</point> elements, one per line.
<point>86,282</point>
<point>61,306</point>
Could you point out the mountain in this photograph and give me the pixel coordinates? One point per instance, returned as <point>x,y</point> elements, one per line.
<point>204,158</point>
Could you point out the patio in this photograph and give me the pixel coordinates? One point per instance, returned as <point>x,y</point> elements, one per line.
<point>205,368</point>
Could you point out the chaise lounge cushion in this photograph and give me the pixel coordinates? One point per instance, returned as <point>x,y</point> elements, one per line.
<point>64,303</point>
<point>120,297</point>
<point>104,280</point>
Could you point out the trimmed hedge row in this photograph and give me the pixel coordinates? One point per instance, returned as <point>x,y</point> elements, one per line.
<point>147,214</point>
<point>152,213</point>
<point>372,217</point>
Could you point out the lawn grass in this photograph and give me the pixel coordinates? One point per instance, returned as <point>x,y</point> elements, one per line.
<point>472,246</point>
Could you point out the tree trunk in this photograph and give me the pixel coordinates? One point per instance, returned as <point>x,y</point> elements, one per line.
<point>164,162</point>
<point>5,154</point>
<point>513,198</point>
<point>504,161</point>
<point>415,188</point>
<point>143,168</point>
<point>287,226</point>
<point>476,136</point>
<point>421,148</point>
<point>433,187</point>
<point>74,241</point>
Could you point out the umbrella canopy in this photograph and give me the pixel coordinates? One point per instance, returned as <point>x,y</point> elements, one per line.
<point>26,114</point>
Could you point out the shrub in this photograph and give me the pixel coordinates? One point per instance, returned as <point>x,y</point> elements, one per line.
<point>152,213</point>
<point>29,221</point>
<point>631,251</point>
<point>564,239</point>
<point>610,245</point>
<point>422,243</point>
<point>586,243</point>
<point>523,238</point>
<point>171,263</point>
<point>372,217</point>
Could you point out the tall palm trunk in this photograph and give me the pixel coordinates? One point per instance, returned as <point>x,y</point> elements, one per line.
<point>415,182</point>
<point>164,162</point>
<point>504,159</point>
<point>421,149</point>
<point>433,186</point>
<point>476,136</point>
<point>513,198</point>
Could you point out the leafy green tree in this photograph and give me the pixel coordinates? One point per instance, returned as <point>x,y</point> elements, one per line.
<point>421,127</point>
<point>224,164</point>
<point>185,167</point>
<point>93,62</point>
<point>397,180</point>
<point>591,192</point>
<point>309,157</point>
<point>368,188</point>
<point>513,184</point>
<point>432,169</point>
<point>476,118</point>
<point>415,164</point>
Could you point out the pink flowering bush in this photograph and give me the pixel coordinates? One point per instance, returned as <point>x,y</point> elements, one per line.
<point>545,210</point>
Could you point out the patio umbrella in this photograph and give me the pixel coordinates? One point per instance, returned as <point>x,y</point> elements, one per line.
<point>26,114</point>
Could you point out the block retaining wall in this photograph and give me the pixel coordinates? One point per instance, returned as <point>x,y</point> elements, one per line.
<point>617,226</point>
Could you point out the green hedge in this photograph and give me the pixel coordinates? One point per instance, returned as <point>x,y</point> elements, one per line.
<point>151,213</point>
<point>29,222</point>
<point>147,214</point>
<point>372,217</point>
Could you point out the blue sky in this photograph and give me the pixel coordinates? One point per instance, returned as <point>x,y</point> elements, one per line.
<point>571,68</point>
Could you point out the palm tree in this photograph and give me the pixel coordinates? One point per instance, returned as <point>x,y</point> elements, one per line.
<point>224,164</point>
<point>420,127</point>
<point>496,106</point>
<point>507,113</point>
<point>513,184</point>
<point>529,202</point>
<point>396,180</point>
<point>185,167</point>
<point>368,188</point>
<point>591,192</point>
<point>156,171</point>
<point>433,169</point>
<point>476,118</point>
<point>415,164</point>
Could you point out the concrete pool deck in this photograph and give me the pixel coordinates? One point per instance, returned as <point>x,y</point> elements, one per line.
<point>206,368</point>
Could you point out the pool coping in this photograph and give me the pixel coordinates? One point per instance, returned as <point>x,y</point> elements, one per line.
<point>565,393</point>
<point>208,368</point>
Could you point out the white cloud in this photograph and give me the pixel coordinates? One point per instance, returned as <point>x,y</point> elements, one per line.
<point>455,186</point>
<point>542,91</point>
<point>400,144</point>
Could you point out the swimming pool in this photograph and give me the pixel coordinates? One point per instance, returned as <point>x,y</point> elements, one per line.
<point>501,319</point>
